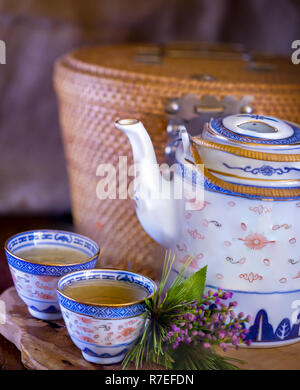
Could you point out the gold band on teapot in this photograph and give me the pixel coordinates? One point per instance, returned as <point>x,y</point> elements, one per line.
<point>256,155</point>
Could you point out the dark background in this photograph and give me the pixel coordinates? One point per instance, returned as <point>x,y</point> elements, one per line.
<point>33,177</point>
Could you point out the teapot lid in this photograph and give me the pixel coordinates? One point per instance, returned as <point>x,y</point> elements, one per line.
<point>250,155</point>
<point>253,131</point>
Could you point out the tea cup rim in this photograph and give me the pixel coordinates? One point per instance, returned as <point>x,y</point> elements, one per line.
<point>115,305</point>
<point>89,259</point>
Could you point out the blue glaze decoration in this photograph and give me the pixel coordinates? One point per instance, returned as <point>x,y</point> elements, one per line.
<point>262,330</point>
<point>50,309</point>
<point>265,170</point>
<point>104,355</point>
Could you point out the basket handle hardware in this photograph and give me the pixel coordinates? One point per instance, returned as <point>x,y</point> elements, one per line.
<point>190,113</point>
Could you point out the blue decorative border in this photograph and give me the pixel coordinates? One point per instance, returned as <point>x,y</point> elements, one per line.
<point>102,312</point>
<point>57,236</point>
<point>47,270</point>
<point>217,125</point>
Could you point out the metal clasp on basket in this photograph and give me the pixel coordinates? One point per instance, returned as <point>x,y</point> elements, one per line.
<point>191,113</point>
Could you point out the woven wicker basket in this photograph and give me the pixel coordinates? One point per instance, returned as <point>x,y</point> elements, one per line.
<point>97,85</point>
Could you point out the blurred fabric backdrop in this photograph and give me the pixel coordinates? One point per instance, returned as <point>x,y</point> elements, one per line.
<point>33,176</point>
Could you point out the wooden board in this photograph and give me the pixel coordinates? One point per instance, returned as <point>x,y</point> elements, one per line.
<point>43,345</point>
<point>10,356</point>
<point>47,345</point>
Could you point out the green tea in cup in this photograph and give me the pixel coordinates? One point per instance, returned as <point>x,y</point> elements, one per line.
<point>105,292</point>
<point>52,254</point>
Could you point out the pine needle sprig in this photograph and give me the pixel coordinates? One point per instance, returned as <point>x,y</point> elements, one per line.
<point>198,358</point>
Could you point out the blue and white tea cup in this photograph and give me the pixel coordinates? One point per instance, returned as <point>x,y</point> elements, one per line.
<point>104,333</point>
<point>36,282</point>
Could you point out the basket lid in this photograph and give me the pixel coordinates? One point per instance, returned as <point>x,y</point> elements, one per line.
<point>194,63</point>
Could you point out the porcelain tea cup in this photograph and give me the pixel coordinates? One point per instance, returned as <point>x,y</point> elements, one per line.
<point>104,333</point>
<point>36,282</point>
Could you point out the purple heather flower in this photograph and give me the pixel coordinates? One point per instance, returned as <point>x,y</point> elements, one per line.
<point>209,321</point>
<point>192,317</point>
<point>221,334</point>
<point>235,342</point>
<point>175,328</point>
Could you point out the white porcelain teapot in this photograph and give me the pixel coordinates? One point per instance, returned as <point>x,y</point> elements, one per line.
<point>246,226</point>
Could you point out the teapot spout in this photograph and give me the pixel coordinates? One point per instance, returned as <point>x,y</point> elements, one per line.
<point>140,141</point>
<point>156,211</point>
